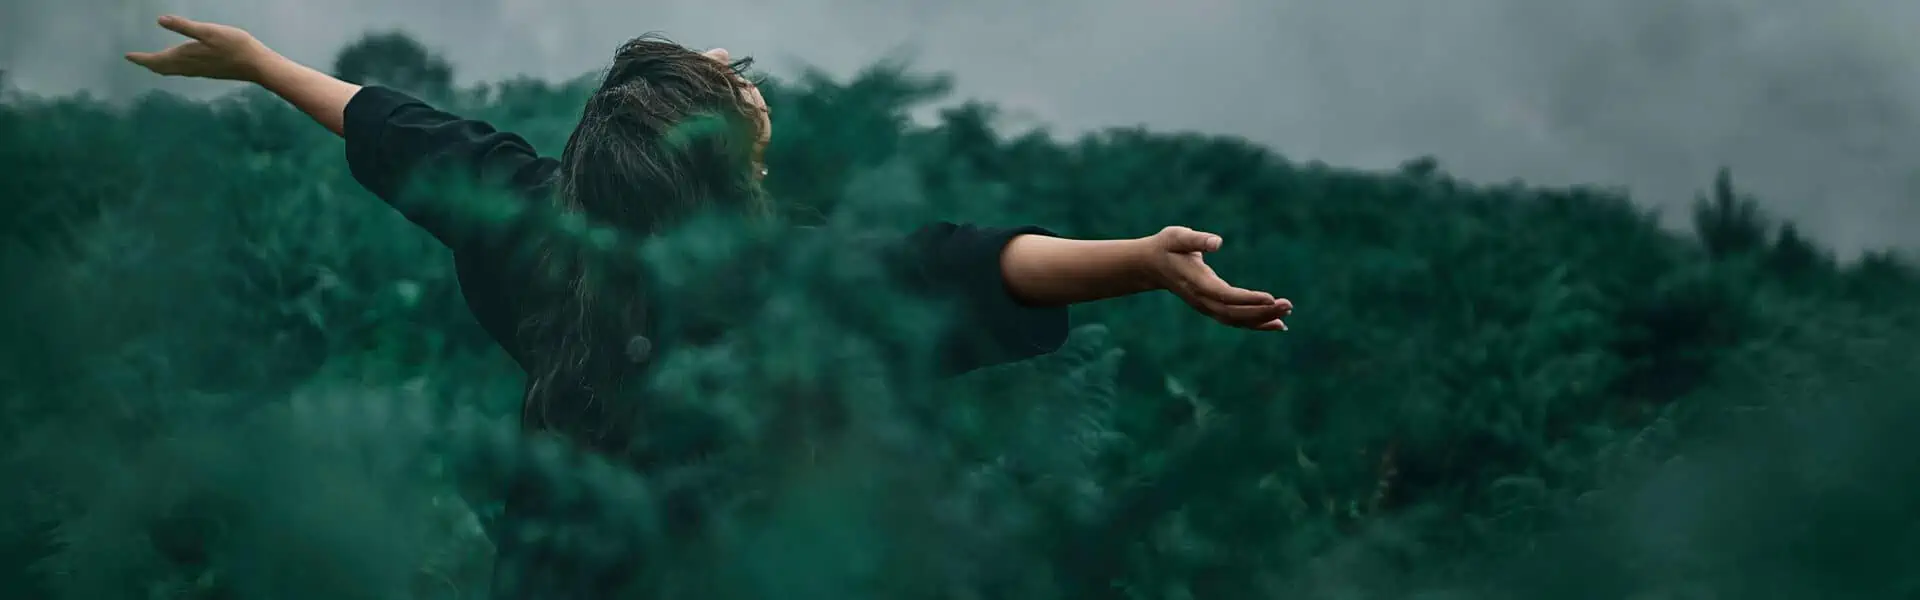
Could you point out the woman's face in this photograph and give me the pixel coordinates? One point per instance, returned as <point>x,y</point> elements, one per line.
<point>754,99</point>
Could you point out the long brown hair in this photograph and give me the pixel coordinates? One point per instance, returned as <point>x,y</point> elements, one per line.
<point>667,134</point>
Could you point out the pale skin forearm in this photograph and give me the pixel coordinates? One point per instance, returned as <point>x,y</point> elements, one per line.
<point>1051,271</point>
<point>318,94</point>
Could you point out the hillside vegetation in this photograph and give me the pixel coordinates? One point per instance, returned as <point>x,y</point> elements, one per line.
<point>230,373</point>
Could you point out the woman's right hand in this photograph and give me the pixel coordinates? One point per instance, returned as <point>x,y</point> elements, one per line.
<point>215,52</point>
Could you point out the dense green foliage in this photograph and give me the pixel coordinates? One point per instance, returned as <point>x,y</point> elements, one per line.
<point>230,373</point>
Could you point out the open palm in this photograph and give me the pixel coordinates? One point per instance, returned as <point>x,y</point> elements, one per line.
<point>214,51</point>
<point>1180,265</point>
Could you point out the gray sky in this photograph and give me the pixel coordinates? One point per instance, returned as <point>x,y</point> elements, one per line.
<point>1813,104</point>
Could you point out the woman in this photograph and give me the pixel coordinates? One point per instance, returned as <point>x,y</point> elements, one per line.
<point>1013,284</point>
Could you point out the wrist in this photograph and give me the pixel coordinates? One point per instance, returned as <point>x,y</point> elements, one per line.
<point>1144,262</point>
<point>263,66</point>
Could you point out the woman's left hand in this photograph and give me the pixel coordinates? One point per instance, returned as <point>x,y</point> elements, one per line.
<point>1178,265</point>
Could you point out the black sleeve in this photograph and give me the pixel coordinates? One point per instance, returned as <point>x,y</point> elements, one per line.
<point>394,139</point>
<point>961,264</point>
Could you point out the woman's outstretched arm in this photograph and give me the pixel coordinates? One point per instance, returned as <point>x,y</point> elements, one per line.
<point>1011,286</point>
<point>215,51</point>
<point>1050,271</point>
<point>318,94</point>
<point>392,139</point>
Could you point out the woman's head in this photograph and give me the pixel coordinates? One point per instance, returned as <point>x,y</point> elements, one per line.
<point>669,132</point>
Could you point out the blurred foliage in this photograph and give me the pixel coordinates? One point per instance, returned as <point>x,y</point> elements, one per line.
<point>393,58</point>
<point>230,373</point>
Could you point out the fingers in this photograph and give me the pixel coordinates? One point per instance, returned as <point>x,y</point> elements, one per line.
<point>158,61</point>
<point>719,54</point>
<point>1208,293</point>
<point>1203,282</point>
<point>152,61</point>
<point>1182,239</point>
<point>1249,316</point>
<point>1238,307</point>
<point>187,27</point>
<point>1263,318</point>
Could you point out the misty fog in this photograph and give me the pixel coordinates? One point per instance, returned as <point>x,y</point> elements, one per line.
<point>1811,104</point>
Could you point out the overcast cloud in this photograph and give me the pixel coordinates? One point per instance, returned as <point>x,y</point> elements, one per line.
<point>1813,104</point>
